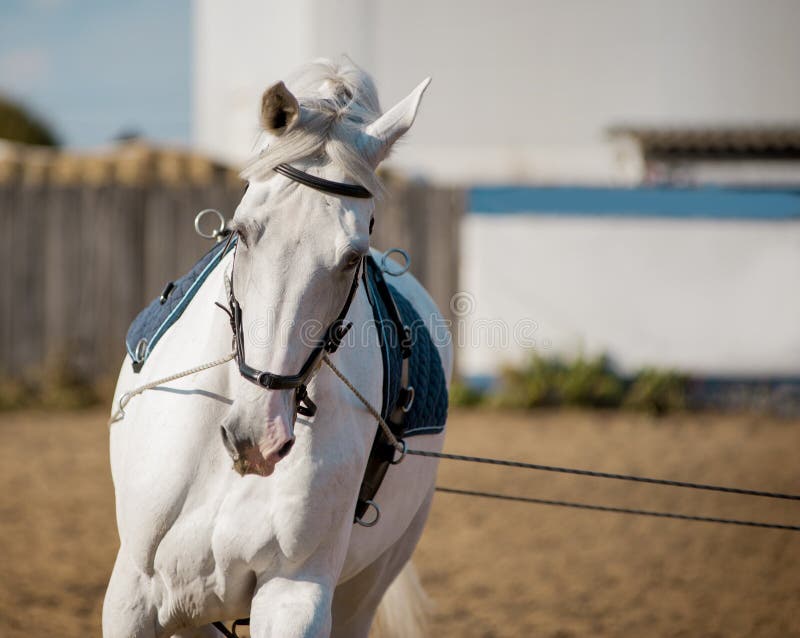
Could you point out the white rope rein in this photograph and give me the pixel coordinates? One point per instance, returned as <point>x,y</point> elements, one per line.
<point>384,426</point>
<point>125,398</point>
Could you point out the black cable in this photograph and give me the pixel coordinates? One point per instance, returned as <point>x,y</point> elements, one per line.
<point>606,475</point>
<point>618,510</point>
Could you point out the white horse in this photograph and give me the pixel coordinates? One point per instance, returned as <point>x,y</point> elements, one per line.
<point>198,541</point>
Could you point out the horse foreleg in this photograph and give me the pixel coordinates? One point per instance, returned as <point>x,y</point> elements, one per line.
<point>298,607</point>
<point>127,610</point>
<point>356,601</point>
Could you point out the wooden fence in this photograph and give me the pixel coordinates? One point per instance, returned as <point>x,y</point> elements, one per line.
<point>86,242</point>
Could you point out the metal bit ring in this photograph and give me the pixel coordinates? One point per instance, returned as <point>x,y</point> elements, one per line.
<point>217,232</point>
<point>403,269</point>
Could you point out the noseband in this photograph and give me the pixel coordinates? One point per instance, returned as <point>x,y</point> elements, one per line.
<point>333,334</point>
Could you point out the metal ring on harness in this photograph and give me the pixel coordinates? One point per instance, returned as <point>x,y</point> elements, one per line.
<point>375,520</point>
<point>395,273</point>
<point>141,349</point>
<point>217,233</point>
<point>410,394</point>
<point>403,450</point>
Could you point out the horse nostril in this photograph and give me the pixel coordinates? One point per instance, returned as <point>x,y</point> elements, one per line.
<point>287,447</point>
<point>227,441</point>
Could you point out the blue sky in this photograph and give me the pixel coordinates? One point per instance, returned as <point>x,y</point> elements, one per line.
<point>94,68</point>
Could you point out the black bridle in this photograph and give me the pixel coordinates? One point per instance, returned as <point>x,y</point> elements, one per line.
<point>335,332</point>
<point>321,184</point>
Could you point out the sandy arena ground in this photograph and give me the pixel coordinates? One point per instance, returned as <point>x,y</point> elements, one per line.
<point>493,568</point>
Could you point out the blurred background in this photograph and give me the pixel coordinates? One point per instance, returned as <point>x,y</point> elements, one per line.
<point>611,179</point>
<point>603,198</point>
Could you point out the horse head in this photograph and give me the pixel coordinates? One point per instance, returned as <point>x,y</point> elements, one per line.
<point>299,248</point>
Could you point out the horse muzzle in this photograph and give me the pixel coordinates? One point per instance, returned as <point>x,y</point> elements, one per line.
<point>259,458</point>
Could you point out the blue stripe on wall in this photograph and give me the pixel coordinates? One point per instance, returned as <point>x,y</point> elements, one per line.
<point>684,203</point>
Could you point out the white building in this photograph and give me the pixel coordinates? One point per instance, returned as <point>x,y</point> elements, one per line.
<point>527,92</point>
<point>523,90</point>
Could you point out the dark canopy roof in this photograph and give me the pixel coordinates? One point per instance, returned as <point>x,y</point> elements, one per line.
<point>741,142</point>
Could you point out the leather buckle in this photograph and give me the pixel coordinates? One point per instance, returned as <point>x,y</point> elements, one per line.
<point>406,343</point>
<point>337,335</point>
<point>305,405</point>
<point>166,292</point>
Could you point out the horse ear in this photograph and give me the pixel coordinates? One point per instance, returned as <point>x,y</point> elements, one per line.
<point>389,127</point>
<point>279,109</point>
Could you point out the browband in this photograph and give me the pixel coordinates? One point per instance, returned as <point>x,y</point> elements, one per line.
<point>325,185</point>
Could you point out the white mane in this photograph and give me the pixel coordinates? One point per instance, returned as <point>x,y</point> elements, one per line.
<point>337,100</point>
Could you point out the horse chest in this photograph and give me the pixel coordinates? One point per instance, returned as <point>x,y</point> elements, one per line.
<point>280,521</point>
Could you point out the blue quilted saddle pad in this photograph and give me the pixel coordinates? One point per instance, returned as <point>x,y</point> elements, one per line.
<point>153,322</point>
<point>428,412</point>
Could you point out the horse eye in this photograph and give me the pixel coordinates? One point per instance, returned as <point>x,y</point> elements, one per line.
<point>351,260</point>
<point>243,237</point>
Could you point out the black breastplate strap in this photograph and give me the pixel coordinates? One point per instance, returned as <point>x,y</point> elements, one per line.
<point>382,453</point>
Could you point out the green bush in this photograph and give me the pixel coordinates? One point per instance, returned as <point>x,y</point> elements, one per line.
<point>14,394</point>
<point>463,395</point>
<point>591,383</point>
<point>541,382</point>
<point>66,388</point>
<point>532,385</point>
<point>19,125</point>
<point>657,391</point>
<point>58,385</point>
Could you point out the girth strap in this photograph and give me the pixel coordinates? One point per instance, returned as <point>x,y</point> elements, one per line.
<point>382,453</point>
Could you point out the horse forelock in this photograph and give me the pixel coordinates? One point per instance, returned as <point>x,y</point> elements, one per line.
<point>337,100</point>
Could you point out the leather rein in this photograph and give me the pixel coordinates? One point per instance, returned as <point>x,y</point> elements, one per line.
<point>335,332</point>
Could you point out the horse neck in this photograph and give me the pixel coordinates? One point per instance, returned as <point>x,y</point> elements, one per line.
<point>208,327</point>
